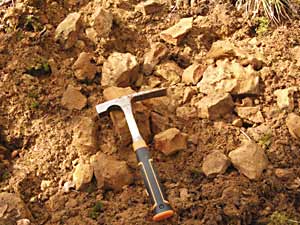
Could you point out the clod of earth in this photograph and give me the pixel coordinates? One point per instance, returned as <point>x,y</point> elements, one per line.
<point>293,124</point>
<point>250,114</point>
<point>101,22</point>
<point>82,175</point>
<point>149,7</point>
<point>67,31</point>
<point>170,71</point>
<point>193,74</point>
<point>120,69</point>
<point>110,173</point>
<point>250,159</point>
<point>175,34</point>
<point>285,98</point>
<point>153,56</point>
<point>170,141</point>
<point>84,68</point>
<point>73,99</point>
<point>215,163</point>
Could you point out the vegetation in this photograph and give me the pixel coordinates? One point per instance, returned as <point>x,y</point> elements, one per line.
<point>280,218</point>
<point>94,213</point>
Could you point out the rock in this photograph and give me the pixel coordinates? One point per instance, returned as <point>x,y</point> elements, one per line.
<point>120,69</point>
<point>283,173</point>
<point>293,124</point>
<point>68,186</point>
<point>85,136</point>
<point>296,54</point>
<point>45,184</point>
<point>141,113</point>
<point>102,21</point>
<point>92,34</point>
<point>67,31</point>
<point>257,133</point>
<point>175,34</point>
<point>84,68</point>
<point>186,112</point>
<point>110,173</point>
<point>170,71</point>
<point>215,106</point>
<point>188,93</point>
<point>237,122</point>
<point>215,163</point>
<point>170,141</point>
<point>285,99</point>
<point>249,159</point>
<point>250,114</point>
<point>82,175</point>
<point>73,99</point>
<point>149,7</point>
<point>221,49</point>
<point>229,77</point>
<point>193,74</point>
<point>23,222</point>
<point>153,56</point>
<point>159,122</point>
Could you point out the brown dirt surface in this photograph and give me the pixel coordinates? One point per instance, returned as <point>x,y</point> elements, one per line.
<point>37,157</point>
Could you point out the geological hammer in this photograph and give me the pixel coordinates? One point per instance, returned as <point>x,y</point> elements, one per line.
<point>161,206</point>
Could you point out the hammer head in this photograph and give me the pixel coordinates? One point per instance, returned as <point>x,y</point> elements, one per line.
<point>125,101</point>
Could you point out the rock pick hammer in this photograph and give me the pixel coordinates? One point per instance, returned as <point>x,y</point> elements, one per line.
<point>161,206</point>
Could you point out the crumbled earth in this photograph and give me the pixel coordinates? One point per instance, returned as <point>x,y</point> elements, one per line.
<point>229,82</point>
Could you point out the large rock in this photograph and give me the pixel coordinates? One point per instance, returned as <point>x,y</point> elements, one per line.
<point>170,141</point>
<point>249,159</point>
<point>215,163</point>
<point>73,99</point>
<point>193,74</point>
<point>250,114</point>
<point>229,77</point>
<point>120,69</point>
<point>101,22</point>
<point>141,113</point>
<point>170,71</point>
<point>153,56</point>
<point>84,68</point>
<point>215,106</point>
<point>285,99</point>
<point>293,124</point>
<point>110,173</point>
<point>67,31</point>
<point>85,136</point>
<point>175,34</point>
<point>82,175</point>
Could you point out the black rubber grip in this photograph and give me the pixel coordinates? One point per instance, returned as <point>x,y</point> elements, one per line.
<point>161,206</point>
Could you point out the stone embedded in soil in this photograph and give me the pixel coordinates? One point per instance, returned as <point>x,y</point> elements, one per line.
<point>215,106</point>
<point>159,122</point>
<point>110,173</point>
<point>250,159</point>
<point>153,56</point>
<point>259,132</point>
<point>101,22</point>
<point>186,112</point>
<point>67,31</point>
<point>285,99</point>
<point>120,69</point>
<point>170,71</point>
<point>193,74</point>
<point>23,222</point>
<point>215,163</point>
<point>149,7</point>
<point>170,141</point>
<point>250,114</point>
<point>229,77</point>
<point>175,34</point>
<point>84,68</point>
<point>141,113</point>
<point>73,99</point>
<point>221,49</point>
<point>293,124</point>
<point>82,175</point>
<point>85,137</point>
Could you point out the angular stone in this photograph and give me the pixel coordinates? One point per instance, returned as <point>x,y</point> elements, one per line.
<point>175,34</point>
<point>141,113</point>
<point>84,68</point>
<point>249,159</point>
<point>110,173</point>
<point>186,112</point>
<point>221,49</point>
<point>85,136</point>
<point>120,69</point>
<point>231,78</point>
<point>257,133</point>
<point>92,34</point>
<point>193,74</point>
<point>293,124</point>
<point>250,114</point>
<point>67,31</point>
<point>237,122</point>
<point>82,175</point>
<point>188,93</point>
<point>170,71</point>
<point>152,57</point>
<point>285,99</point>
<point>149,7</point>
<point>102,22</point>
<point>215,163</point>
<point>215,106</point>
<point>170,141</point>
<point>73,99</point>
<point>159,122</point>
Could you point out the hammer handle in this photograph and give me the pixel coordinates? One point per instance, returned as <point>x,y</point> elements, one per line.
<point>161,207</point>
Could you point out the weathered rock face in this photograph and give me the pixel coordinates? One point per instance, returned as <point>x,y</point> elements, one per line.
<point>84,68</point>
<point>101,22</point>
<point>66,32</point>
<point>152,57</point>
<point>215,106</point>
<point>249,159</point>
<point>82,175</point>
<point>193,74</point>
<point>285,99</point>
<point>170,141</point>
<point>73,99</point>
<point>85,136</point>
<point>149,7</point>
<point>110,173</point>
<point>120,69</point>
<point>229,77</point>
<point>170,71</point>
<point>215,163</point>
<point>293,124</point>
<point>175,34</point>
<point>141,113</point>
<point>250,114</point>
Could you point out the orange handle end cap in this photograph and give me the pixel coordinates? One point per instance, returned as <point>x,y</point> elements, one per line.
<point>163,215</point>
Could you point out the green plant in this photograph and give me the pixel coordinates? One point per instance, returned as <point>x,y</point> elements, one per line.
<point>262,25</point>
<point>266,140</point>
<point>40,68</point>
<point>94,213</point>
<point>280,218</point>
<point>34,105</point>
